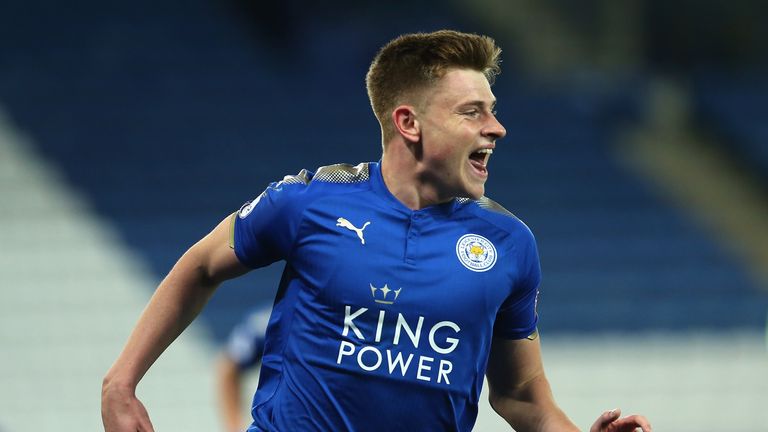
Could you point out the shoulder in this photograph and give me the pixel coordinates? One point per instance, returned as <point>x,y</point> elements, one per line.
<point>495,214</point>
<point>336,174</point>
<point>329,180</point>
<point>298,190</point>
<point>343,174</point>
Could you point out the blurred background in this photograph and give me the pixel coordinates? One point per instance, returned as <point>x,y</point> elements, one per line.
<point>637,151</point>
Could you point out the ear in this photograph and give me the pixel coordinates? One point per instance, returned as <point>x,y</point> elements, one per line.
<point>406,124</point>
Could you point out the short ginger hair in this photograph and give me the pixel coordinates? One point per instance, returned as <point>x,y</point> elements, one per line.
<point>412,62</point>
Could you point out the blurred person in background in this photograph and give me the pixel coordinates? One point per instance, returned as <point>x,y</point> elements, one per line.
<point>241,354</point>
<point>404,285</point>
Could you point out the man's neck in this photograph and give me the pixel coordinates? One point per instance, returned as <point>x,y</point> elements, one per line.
<point>402,178</point>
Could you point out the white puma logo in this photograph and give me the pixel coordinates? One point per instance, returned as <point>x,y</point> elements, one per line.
<point>347,224</point>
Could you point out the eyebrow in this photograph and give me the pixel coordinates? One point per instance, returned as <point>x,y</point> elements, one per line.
<point>479,104</point>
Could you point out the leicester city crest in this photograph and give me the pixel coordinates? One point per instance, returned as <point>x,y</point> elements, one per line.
<point>476,252</point>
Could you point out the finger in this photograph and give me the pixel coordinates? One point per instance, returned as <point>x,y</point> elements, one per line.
<point>610,416</point>
<point>638,421</point>
<point>604,420</point>
<point>145,424</point>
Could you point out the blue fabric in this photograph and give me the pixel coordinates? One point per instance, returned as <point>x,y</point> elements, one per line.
<point>245,345</point>
<point>384,316</point>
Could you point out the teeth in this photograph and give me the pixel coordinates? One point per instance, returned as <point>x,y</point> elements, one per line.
<point>487,152</point>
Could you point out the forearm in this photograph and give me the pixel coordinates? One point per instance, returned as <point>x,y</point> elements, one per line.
<point>531,407</point>
<point>176,302</point>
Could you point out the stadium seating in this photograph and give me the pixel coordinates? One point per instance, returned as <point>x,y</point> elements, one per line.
<point>170,121</point>
<point>733,107</point>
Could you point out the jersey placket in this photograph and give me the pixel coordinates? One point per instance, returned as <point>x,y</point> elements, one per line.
<point>415,224</point>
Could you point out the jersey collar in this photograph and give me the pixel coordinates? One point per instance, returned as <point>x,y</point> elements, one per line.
<point>377,182</point>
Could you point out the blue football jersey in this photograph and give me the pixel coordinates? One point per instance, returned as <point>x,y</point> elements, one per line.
<point>384,315</point>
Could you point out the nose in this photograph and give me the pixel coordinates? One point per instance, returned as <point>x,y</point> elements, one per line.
<point>494,129</point>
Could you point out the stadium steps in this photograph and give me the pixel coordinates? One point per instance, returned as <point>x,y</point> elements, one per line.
<point>613,243</point>
<point>701,177</point>
<point>71,293</point>
<point>732,107</point>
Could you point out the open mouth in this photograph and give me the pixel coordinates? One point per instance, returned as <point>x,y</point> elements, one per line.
<point>479,160</point>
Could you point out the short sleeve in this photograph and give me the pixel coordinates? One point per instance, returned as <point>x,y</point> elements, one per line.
<point>265,228</point>
<point>517,318</point>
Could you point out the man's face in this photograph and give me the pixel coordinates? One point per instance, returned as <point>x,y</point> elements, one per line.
<point>458,132</point>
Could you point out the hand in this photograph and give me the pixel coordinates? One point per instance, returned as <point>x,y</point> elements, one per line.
<point>609,421</point>
<point>121,411</point>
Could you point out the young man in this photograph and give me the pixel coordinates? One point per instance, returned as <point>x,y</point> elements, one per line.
<point>403,284</point>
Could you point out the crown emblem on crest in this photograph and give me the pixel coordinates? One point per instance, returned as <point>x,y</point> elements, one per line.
<point>384,298</point>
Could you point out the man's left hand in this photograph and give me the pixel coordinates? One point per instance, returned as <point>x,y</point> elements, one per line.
<point>609,421</point>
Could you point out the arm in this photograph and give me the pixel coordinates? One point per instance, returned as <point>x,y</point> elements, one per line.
<point>520,393</point>
<point>176,302</point>
<point>519,390</point>
<point>229,379</point>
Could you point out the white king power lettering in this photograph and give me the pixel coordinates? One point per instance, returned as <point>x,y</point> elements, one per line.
<point>371,358</point>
